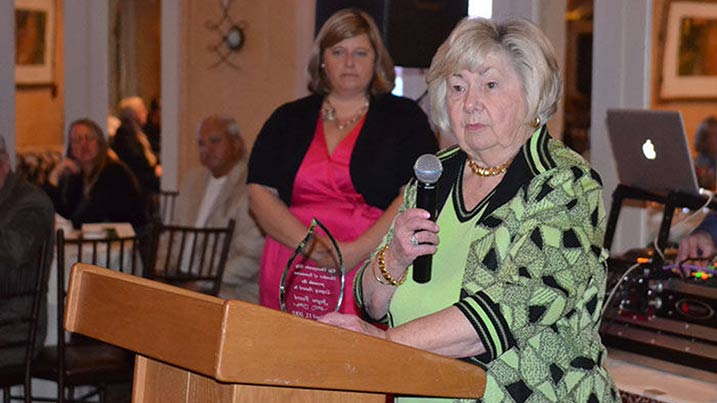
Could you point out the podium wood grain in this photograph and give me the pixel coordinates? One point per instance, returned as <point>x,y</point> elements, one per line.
<point>198,348</point>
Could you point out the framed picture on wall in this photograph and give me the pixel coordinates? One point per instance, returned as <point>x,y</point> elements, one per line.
<point>34,41</point>
<point>688,37</point>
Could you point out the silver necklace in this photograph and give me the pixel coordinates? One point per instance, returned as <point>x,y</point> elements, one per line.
<point>328,114</point>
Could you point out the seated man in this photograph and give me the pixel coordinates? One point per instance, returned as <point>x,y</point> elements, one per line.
<point>215,193</point>
<point>26,222</point>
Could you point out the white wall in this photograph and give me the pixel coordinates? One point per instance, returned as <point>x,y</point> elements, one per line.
<point>171,56</point>
<point>86,61</point>
<point>622,49</point>
<point>7,76</point>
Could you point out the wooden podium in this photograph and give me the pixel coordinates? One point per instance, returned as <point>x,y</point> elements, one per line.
<point>193,347</point>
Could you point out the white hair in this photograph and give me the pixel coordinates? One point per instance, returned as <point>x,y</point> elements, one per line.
<point>520,41</point>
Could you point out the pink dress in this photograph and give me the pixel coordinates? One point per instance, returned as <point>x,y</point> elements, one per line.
<point>322,189</point>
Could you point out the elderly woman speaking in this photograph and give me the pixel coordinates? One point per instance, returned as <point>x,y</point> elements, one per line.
<point>519,275</point>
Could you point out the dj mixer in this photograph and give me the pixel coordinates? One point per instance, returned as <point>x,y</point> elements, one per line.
<point>665,310</point>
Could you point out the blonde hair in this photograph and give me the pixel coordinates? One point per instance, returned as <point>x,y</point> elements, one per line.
<point>345,24</point>
<point>133,102</point>
<point>525,46</point>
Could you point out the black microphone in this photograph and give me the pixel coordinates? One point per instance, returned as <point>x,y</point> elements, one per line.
<point>428,169</point>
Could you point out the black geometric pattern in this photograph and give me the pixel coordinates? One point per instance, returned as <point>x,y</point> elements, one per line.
<point>492,222</point>
<point>556,373</point>
<point>536,312</point>
<point>523,272</point>
<point>519,391</point>
<point>537,238</point>
<point>545,280</point>
<point>559,253</point>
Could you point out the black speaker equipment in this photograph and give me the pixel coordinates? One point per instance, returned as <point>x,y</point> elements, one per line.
<point>412,29</point>
<point>672,319</point>
<point>661,308</point>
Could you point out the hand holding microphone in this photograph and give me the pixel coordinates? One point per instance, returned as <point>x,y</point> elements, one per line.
<point>428,170</point>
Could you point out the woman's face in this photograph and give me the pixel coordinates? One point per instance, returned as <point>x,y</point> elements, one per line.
<point>83,144</point>
<point>349,65</point>
<point>487,110</point>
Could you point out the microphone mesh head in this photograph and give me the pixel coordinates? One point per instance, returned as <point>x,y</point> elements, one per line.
<point>428,168</point>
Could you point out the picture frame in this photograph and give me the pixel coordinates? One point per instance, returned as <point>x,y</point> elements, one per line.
<point>688,41</point>
<point>34,42</point>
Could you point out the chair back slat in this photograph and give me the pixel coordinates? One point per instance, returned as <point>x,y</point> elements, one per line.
<point>192,257</point>
<point>24,285</point>
<point>215,246</point>
<point>165,202</point>
<point>204,270</point>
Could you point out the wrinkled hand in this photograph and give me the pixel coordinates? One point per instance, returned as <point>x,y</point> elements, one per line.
<point>697,245</point>
<point>412,224</point>
<point>66,167</point>
<point>352,322</point>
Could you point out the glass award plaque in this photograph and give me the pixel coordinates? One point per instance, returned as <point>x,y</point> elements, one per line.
<point>309,289</point>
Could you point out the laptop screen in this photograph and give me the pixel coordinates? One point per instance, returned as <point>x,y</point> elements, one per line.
<point>651,151</point>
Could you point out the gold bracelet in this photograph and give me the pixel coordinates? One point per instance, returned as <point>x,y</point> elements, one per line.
<point>377,277</point>
<point>384,272</point>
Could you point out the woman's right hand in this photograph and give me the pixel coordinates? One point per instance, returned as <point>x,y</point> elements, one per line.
<point>66,167</point>
<point>414,234</point>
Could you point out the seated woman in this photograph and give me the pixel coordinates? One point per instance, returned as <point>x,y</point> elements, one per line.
<point>518,278</point>
<point>90,186</point>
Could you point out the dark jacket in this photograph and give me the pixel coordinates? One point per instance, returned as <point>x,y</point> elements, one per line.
<point>115,197</point>
<point>130,150</point>
<point>26,222</point>
<point>395,133</point>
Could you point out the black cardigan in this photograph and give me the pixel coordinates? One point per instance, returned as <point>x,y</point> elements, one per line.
<point>395,133</point>
<point>115,197</point>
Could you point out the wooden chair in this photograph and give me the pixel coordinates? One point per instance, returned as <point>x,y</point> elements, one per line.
<point>15,292</point>
<point>76,360</point>
<point>166,201</point>
<point>190,257</point>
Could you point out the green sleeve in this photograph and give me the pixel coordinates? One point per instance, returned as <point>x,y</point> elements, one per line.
<point>535,268</point>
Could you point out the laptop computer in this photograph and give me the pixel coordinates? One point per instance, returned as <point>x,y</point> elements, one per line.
<point>651,151</point>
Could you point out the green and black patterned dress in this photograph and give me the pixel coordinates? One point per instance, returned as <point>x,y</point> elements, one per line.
<point>526,267</point>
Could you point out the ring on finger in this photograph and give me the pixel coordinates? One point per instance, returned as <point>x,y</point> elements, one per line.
<point>413,240</point>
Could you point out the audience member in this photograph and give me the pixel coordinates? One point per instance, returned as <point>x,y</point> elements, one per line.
<point>212,195</point>
<point>153,127</point>
<point>133,148</point>
<point>91,186</point>
<point>518,278</point>
<point>113,123</point>
<point>26,223</point>
<point>342,154</point>
<point>700,244</point>
<point>706,147</point>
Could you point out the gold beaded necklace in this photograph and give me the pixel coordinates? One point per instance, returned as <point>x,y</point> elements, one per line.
<point>488,171</point>
<point>328,114</point>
